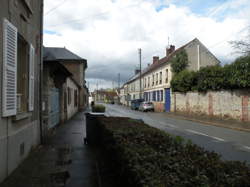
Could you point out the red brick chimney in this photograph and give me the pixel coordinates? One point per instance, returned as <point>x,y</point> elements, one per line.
<point>155,59</point>
<point>170,50</point>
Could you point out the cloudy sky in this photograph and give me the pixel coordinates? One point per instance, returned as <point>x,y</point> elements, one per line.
<point>108,33</point>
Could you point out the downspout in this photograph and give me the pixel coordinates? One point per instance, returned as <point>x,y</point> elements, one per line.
<point>41,74</point>
<point>198,51</point>
<point>7,119</point>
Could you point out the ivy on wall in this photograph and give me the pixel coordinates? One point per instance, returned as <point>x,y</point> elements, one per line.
<point>232,76</point>
<point>179,62</point>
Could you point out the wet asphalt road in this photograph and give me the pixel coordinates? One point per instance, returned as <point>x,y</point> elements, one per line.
<point>230,144</point>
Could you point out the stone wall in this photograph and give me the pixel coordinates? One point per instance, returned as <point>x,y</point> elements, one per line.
<point>158,106</point>
<point>225,104</point>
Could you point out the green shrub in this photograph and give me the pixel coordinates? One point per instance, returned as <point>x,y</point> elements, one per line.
<point>179,62</point>
<point>232,76</point>
<point>238,73</point>
<point>98,108</point>
<point>184,81</point>
<point>211,78</point>
<point>145,156</point>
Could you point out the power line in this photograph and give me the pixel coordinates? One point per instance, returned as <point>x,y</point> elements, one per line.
<point>82,19</point>
<point>77,20</point>
<point>54,8</point>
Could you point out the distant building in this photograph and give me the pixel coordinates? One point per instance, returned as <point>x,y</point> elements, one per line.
<point>156,77</point>
<point>67,93</point>
<point>105,96</point>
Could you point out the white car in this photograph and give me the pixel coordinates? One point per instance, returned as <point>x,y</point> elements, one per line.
<point>146,106</point>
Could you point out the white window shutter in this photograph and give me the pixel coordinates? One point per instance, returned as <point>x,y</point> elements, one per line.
<point>31,77</point>
<point>9,69</point>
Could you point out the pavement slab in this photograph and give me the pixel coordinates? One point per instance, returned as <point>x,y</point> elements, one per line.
<point>63,161</point>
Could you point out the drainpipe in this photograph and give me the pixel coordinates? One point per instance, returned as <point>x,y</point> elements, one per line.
<point>41,75</point>
<point>198,52</point>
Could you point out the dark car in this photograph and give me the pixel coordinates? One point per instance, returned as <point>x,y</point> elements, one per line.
<point>136,103</point>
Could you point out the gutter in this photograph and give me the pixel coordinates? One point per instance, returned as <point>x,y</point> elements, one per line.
<point>41,75</point>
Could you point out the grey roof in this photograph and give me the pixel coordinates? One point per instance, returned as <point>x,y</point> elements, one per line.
<point>56,53</point>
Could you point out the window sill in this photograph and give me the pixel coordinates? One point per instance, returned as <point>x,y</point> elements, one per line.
<point>21,116</point>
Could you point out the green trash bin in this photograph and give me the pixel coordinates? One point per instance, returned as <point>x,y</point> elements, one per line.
<point>92,129</point>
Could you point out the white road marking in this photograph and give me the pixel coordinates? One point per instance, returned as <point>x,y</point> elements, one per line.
<point>168,124</point>
<point>246,147</point>
<point>195,132</point>
<point>214,137</point>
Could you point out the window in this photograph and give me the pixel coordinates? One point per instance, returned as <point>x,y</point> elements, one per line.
<point>158,95</point>
<point>161,95</point>
<point>166,76</point>
<point>156,79</point>
<point>148,82</point>
<point>160,81</point>
<point>76,98</point>
<point>18,72</point>
<point>69,96</point>
<point>145,82</point>
<point>153,80</point>
<point>22,74</point>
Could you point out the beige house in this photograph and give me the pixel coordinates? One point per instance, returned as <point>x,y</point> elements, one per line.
<point>69,93</point>
<point>156,77</point>
<point>20,60</point>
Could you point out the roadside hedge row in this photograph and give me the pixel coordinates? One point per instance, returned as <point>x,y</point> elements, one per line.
<point>145,156</point>
<point>232,76</point>
<point>98,108</point>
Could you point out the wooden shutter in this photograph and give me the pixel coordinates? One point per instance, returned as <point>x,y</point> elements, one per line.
<point>9,69</point>
<point>31,77</point>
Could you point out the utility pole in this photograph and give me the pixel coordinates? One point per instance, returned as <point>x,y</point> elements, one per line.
<point>119,77</point>
<point>140,69</point>
<point>119,81</point>
<point>97,92</point>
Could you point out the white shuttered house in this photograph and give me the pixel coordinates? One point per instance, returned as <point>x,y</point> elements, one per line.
<point>20,59</point>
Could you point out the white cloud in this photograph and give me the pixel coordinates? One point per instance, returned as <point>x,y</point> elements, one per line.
<point>108,33</point>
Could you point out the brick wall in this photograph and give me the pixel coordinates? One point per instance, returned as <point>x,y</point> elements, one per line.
<point>225,104</point>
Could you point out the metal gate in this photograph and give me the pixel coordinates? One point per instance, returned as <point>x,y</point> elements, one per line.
<point>54,115</point>
<point>167,100</point>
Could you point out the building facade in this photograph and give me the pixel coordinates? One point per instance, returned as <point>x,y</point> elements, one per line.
<point>156,78</point>
<point>20,62</point>
<point>68,72</point>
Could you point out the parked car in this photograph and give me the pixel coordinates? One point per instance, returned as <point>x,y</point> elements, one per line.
<point>146,106</point>
<point>136,103</point>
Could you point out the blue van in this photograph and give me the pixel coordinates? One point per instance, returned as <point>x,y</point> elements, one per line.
<point>136,103</point>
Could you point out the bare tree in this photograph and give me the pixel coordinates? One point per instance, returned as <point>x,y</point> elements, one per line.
<point>242,46</point>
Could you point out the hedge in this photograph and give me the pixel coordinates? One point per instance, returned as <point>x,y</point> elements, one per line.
<point>98,108</point>
<point>145,156</point>
<point>233,76</point>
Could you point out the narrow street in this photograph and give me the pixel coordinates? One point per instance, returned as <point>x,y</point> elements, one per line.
<point>231,144</point>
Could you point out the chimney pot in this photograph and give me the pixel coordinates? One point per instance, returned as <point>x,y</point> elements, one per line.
<point>170,50</point>
<point>137,71</point>
<point>155,59</point>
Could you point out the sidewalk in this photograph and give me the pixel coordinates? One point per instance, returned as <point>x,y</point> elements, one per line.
<point>64,159</point>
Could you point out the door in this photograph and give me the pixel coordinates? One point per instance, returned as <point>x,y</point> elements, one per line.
<point>167,100</point>
<point>54,115</point>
